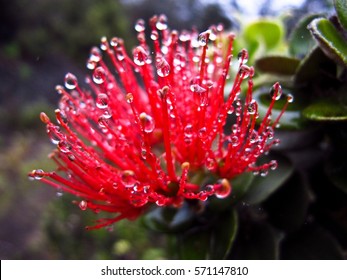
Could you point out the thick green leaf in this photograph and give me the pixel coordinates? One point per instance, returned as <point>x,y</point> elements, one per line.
<point>315,68</point>
<point>262,187</point>
<point>263,34</point>
<point>280,65</point>
<point>341,10</point>
<point>326,111</point>
<point>311,243</point>
<point>194,244</point>
<point>287,208</point>
<point>329,39</point>
<point>166,219</point>
<point>256,240</point>
<point>301,41</point>
<point>223,235</point>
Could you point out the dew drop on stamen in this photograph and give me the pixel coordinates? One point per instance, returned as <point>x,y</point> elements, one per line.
<point>276,92</point>
<point>223,189</point>
<point>37,174</point>
<point>188,130</point>
<point>140,25</point>
<point>64,146</point>
<point>102,122</point>
<point>252,107</point>
<point>95,54</point>
<point>273,164</point>
<point>154,35</point>
<point>54,134</point>
<point>163,67</point>
<point>203,133</point>
<point>128,178</point>
<point>83,205</point>
<point>290,98</point>
<point>203,38</point>
<point>243,56</point>
<point>99,75</point>
<point>211,164</point>
<point>140,56</point>
<point>102,101</point>
<point>162,22</point>
<point>244,71</point>
<point>147,122</point>
<point>129,98</point>
<point>70,81</point>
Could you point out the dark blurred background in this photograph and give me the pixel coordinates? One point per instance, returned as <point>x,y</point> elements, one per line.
<point>41,40</point>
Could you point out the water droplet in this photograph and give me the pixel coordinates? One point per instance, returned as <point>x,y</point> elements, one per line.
<point>234,140</point>
<point>290,98</point>
<point>184,36</point>
<point>244,71</point>
<point>203,133</point>
<point>163,67</point>
<point>223,189</point>
<point>128,178</point>
<point>64,146</point>
<point>188,130</point>
<point>197,88</point>
<point>243,56</point>
<point>114,42</point>
<point>129,98</point>
<point>103,122</point>
<point>37,174</point>
<point>161,201</point>
<point>104,44</point>
<point>99,75</point>
<point>273,164</point>
<point>140,56</point>
<point>231,110</point>
<point>147,122</point>
<point>140,25</point>
<point>276,91</point>
<point>95,55</point>
<point>138,200</point>
<point>269,132</point>
<point>54,134</point>
<point>83,205</point>
<point>264,172</point>
<point>253,138</point>
<point>91,64</point>
<point>203,38</point>
<point>162,22</point>
<point>211,164</point>
<point>70,81</point>
<point>154,35</point>
<point>143,153</point>
<point>252,107</point>
<point>102,101</point>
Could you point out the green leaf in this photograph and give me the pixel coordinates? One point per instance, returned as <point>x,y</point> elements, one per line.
<point>194,244</point>
<point>326,111</point>
<point>341,10</point>
<point>265,34</point>
<point>287,208</point>
<point>311,243</point>
<point>300,40</point>
<point>329,39</point>
<point>166,219</point>
<point>256,240</point>
<point>281,65</point>
<point>223,235</point>
<point>262,187</point>
<point>316,67</point>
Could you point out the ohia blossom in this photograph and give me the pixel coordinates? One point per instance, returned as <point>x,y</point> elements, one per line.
<point>154,125</point>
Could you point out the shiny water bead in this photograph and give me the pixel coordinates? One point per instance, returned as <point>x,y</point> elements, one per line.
<point>188,130</point>
<point>83,205</point>
<point>203,38</point>
<point>269,132</point>
<point>140,56</point>
<point>252,107</point>
<point>104,44</point>
<point>184,36</point>
<point>276,91</point>
<point>163,67</point>
<point>244,71</point>
<point>203,133</point>
<point>154,35</point>
<point>162,22</point>
<point>64,146</point>
<point>211,164</point>
<point>102,101</point>
<point>243,56</point>
<point>95,54</point>
<point>128,178</point>
<point>147,122</point>
<point>140,25</point>
<point>54,134</point>
<point>223,189</point>
<point>290,98</point>
<point>99,75</point>
<point>102,122</point>
<point>70,81</point>
<point>273,164</point>
<point>129,98</point>
<point>37,174</point>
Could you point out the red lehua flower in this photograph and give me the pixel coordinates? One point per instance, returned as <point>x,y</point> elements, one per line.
<point>148,133</point>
